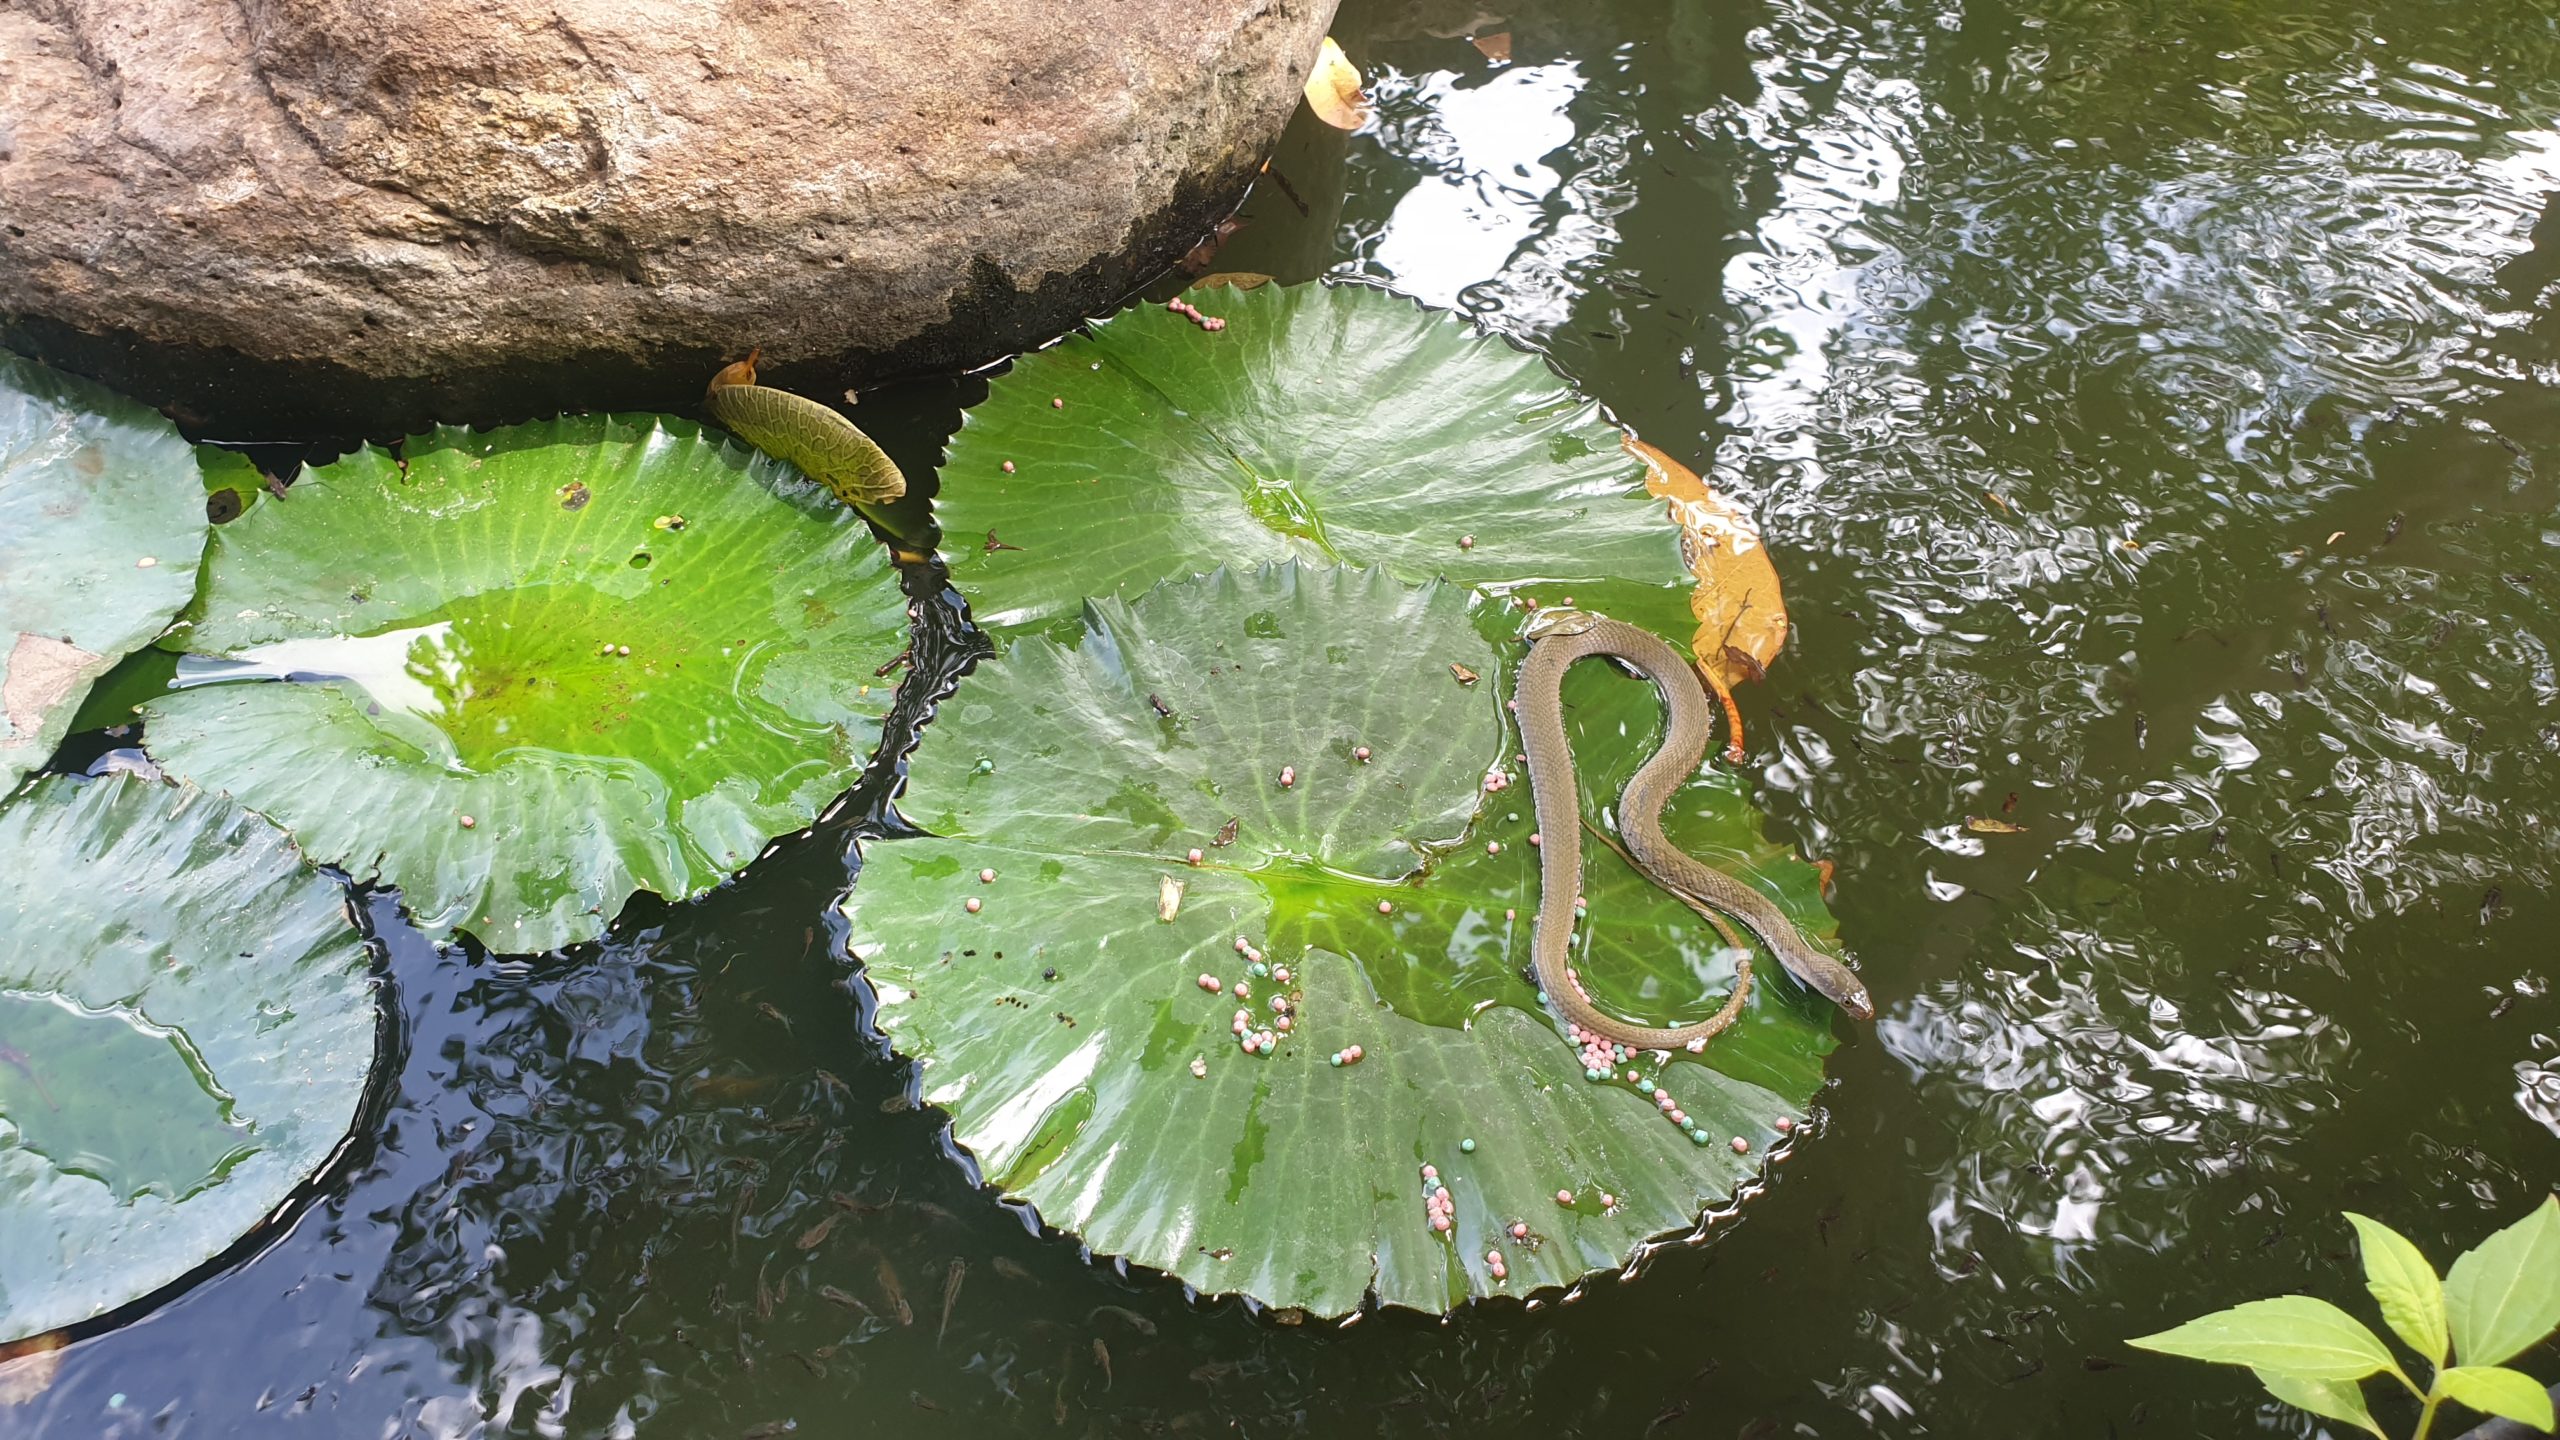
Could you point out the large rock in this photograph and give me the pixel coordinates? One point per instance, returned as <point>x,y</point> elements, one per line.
<point>298,216</point>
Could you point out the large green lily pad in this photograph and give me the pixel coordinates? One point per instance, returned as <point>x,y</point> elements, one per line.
<point>571,660</point>
<point>101,525</point>
<point>1059,1022</point>
<point>1331,423</point>
<point>186,1030</point>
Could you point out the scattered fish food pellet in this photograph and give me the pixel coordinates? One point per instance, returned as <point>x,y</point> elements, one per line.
<point>1467,1147</point>
<point>1282,1024</point>
<point>1243,991</point>
<point>1199,1068</point>
<point>1288,776</point>
<point>1057,402</point>
<point>1519,1229</point>
<point>468,822</point>
<point>1257,969</point>
<point>1008,467</point>
<point>1565,1198</point>
<point>975,905</point>
<point>1279,1004</point>
<point>1535,841</point>
<point>1741,1146</point>
<point>1785,1125</point>
<point>1209,983</point>
<point>1194,856</point>
<point>1361,754</point>
<point>1493,847</point>
<point>1466,542</point>
<point>986,877</point>
<point>1281,974</point>
<point>1242,944</point>
<point>1386,907</point>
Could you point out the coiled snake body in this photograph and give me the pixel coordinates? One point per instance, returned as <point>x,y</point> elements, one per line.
<point>1561,637</point>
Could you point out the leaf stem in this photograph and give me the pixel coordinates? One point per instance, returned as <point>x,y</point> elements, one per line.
<point>2427,1415</point>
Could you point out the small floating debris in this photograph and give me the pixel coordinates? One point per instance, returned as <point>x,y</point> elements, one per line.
<point>1199,1067</point>
<point>1168,898</point>
<point>1465,675</point>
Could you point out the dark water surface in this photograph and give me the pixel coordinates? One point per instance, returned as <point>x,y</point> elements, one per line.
<point>2149,405</point>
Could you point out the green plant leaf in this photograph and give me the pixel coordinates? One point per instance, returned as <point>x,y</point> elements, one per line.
<point>1058,1025</point>
<point>101,526</point>
<point>2504,1293</point>
<point>474,599</point>
<point>186,1030</point>
<point>1328,423</point>
<point>2496,1390</point>
<point>2328,1399</point>
<point>2292,1334</point>
<point>2404,1285</point>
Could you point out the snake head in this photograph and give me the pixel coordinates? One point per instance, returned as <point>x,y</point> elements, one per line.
<point>742,373</point>
<point>1557,620</point>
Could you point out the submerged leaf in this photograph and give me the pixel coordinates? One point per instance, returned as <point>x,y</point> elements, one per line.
<point>1395,893</point>
<point>521,713</point>
<point>102,522</point>
<point>799,431</point>
<point>186,1028</point>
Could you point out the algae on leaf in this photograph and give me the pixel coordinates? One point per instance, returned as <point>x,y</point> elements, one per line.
<point>530,671</point>
<point>186,1030</point>
<point>102,521</point>
<point>1023,956</point>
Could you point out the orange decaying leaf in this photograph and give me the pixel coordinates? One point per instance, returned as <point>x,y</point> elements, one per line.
<point>1333,89</point>
<point>1742,617</point>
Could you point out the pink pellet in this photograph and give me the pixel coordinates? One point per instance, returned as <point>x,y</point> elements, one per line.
<point>1535,840</point>
<point>1440,1223</point>
<point>1283,1023</point>
<point>1493,1258</point>
<point>1240,1026</point>
<point>976,905</point>
<point>1247,1042</point>
<point>1194,856</point>
<point>1510,914</point>
<point>1288,776</point>
<point>1466,542</point>
<point>1281,974</point>
<point>1242,944</point>
<point>986,877</point>
<point>1057,402</point>
<point>1244,990</point>
<point>1386,907</point>
<point>1632,1077</point>
<point>1354,1053</point>
<point>1501,1274</point>
<point>1279,1005</point>
<point>1519,1229</point>
<point>1679,1116</point>
<point>1785,1125</point>
<point>1564,1197</point>
<point>1008,467</point>
<point>1361,754</point>
<point>1608,1201</point>
<point>1493,847</point>
<point>1663,1099</point>
<point>1741,1146</point>
<point>1430,1172</point>
<point>1209,983</point>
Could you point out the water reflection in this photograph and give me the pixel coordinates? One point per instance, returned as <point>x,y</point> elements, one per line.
<point>2150,406</point>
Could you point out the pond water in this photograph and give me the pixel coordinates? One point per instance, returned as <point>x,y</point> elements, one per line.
<point>2148,402</point>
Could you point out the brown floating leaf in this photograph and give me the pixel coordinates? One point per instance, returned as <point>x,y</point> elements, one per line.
<point>1465,675</point>
<point>1740,611</point>
<point>1333,89</point>
<point>1232,279</point>
<point>1227,832</point>
<point>1985,825</point>
<point>1496,46</point>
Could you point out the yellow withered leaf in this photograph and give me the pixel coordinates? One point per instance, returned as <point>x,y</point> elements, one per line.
<point>1333,89</point>
<point>1742,618</point>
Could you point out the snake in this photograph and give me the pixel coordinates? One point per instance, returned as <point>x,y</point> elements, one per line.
<point>1559,637</point>
<point>825,446</point>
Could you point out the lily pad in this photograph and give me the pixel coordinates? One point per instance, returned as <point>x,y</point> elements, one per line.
<point>186,1031</point>
<point>550,665</point>
<point>101,524</point>
<point>1059,1021</point>
<point>1330,423</point>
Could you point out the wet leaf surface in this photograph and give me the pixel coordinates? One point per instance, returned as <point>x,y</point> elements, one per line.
<point>186,1029</point>
<point>524,712</point>
<point>1330,423</point>
<point>102,522</point>
<point>1068,1023</point>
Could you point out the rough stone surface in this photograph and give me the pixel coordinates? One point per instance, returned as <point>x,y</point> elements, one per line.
<point>316,214</point>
